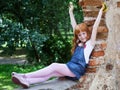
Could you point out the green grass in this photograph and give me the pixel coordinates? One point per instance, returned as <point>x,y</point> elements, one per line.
<point>5,74</point>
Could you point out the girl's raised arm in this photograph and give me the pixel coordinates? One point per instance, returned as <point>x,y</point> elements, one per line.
<point>95,27</point>
<point>72,18</point>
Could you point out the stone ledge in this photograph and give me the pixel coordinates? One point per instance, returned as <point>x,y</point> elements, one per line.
<point>54,84</point>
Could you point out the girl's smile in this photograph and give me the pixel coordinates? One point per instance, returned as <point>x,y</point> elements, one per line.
<point>82,36</point>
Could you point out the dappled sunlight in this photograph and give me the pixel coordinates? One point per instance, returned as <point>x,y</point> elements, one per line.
<point>7,87</point>
<point>6,84</point>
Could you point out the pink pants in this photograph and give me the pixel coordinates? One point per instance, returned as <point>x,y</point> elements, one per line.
<point>53,70</point>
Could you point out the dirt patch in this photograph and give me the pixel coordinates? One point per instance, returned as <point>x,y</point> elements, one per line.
<point>12,61</point>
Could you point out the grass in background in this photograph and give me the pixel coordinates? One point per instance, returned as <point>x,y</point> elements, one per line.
<point>5,74</point>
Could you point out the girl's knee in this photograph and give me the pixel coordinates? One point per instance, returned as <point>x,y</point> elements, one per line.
<point>53,65</point>
<point>57,66</point>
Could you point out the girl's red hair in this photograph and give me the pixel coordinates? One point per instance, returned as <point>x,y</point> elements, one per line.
<point>82,27</point>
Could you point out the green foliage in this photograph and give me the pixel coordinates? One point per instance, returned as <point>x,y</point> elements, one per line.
<point>48,16</point>
<point>12,36</point>
<point>56,49</point>
<point>34,46</point>
<point>23,24</point>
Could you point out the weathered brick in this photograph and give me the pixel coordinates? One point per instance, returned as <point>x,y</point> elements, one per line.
<point>91,70</point>
<point>98,53</point>
<point>118,4</point>
<point>101,29</point>
<point>82,79</point>
<point>90,13</point>
<point>81,2</point>
<point>98,47</point>
<point>94,62</point>
<point>90,23</point>
<point>90,3</point>
<point>100,60</point>
<point>102,36</point>
<point>102,22</point>
<point>104,45</point>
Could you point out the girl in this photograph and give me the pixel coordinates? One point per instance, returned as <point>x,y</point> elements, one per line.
<point>83,44</point>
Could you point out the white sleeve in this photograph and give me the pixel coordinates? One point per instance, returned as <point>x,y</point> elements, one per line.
<point>87,51</point>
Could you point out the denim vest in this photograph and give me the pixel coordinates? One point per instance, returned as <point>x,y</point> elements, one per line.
<point>77,63</point>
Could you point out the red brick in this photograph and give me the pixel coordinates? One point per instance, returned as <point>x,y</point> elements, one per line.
<point>81,2</point>
<point>91,3</point>
<point>102,36</point>
<point>90,13</point>
<point>118,4</point>
<point>100,46</point>
<point>104,45</point>
<point>101,29</point>
<point>102,22</point>
<point>83,78</point>
<point>98,53</point>
<point>91,70</point>
<point>93,62</point>
<point>90,23</point>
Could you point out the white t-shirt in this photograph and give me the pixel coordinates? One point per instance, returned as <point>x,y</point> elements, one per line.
<point>87,51</point>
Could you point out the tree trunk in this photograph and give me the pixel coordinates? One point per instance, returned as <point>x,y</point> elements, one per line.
<point>106,76</point>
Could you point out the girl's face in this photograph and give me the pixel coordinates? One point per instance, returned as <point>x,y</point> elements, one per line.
<point>82,36</point>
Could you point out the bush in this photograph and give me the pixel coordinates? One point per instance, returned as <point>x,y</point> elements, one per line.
<point>56,49</point>
<point>34,46</point>
<point>12,36</point>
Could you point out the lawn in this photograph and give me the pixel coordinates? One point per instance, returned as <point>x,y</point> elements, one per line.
<point>7,69</point>
<point>5,74</point>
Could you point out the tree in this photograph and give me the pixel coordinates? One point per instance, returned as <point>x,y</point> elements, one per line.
<point>25,20</point>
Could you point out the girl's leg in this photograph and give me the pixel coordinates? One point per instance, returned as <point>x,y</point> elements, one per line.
<point>53,70</point>
<point>42,79</point>
<point>62,69</point>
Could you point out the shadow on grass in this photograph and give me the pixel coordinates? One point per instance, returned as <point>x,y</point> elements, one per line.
<point>5,77</point>
<point>6,84</point>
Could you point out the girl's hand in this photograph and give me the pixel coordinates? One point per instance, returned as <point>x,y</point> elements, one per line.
<point>71,7</point>
<point>104,7</point>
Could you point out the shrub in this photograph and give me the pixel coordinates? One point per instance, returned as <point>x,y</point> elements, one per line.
<point>56,49</point>
<point>12,36</point>
<point>34,46</point>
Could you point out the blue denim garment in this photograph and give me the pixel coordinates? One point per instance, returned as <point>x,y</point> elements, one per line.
<point>77,63</point>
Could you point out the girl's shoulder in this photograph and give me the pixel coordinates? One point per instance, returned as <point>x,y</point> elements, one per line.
<point>88,44</point>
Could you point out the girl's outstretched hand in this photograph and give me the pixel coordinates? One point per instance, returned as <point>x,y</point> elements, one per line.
<point>104,7</point>
<point>71,7</point>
